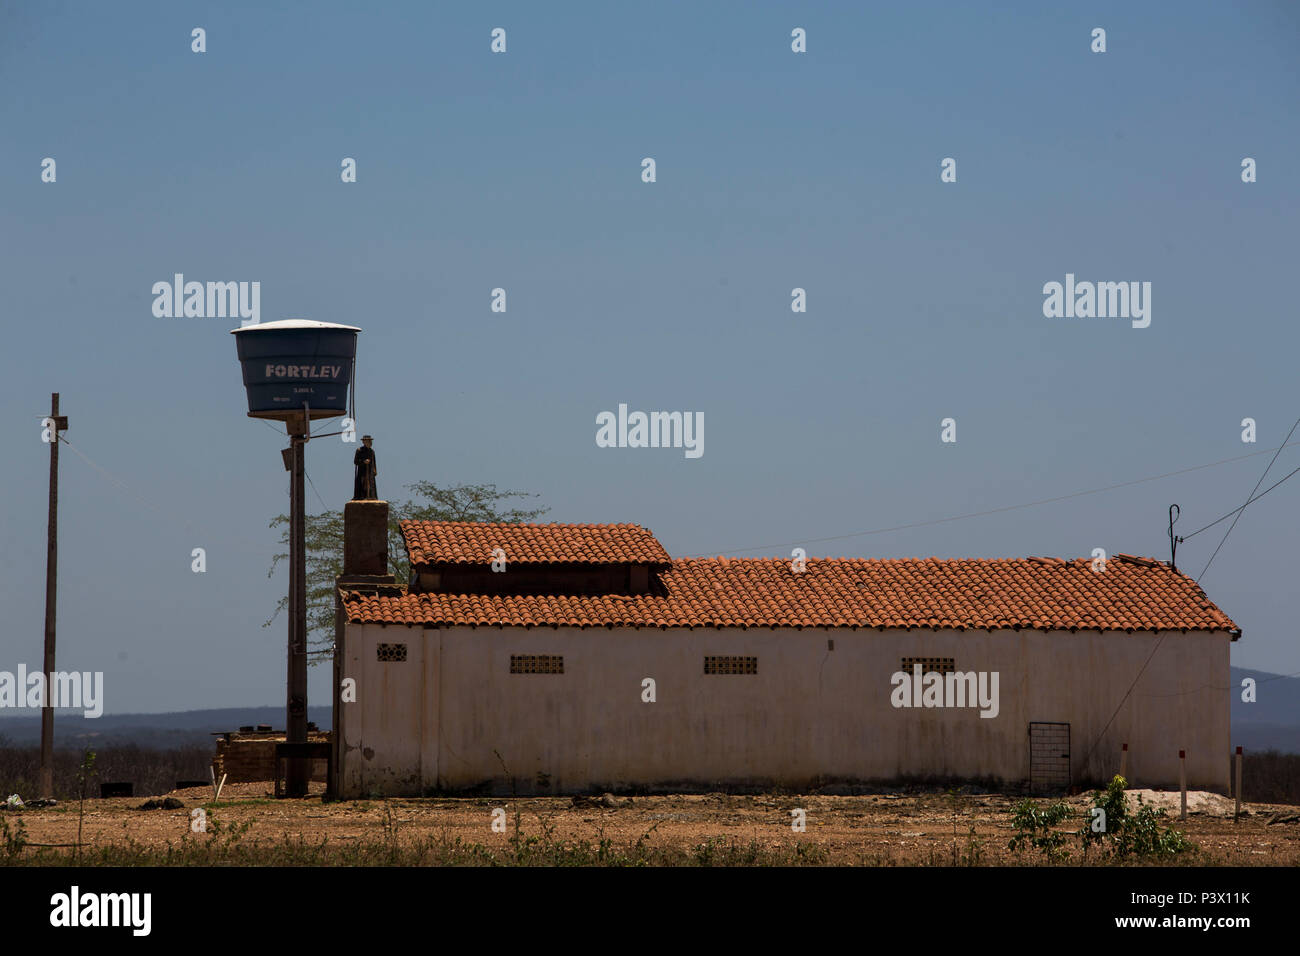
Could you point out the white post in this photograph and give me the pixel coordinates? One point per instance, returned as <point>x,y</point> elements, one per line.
<point>1123,762</point>
<point>1182,781</point>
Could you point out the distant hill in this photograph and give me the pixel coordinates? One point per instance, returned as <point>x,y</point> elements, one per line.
<point>179,729</point>
<point>1271,723</point>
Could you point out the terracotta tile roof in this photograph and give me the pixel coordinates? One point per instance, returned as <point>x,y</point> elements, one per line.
<point>472,542</point>
<point>1035,593</point>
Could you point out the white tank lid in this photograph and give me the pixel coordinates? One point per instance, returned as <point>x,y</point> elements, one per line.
<point>293,324</point>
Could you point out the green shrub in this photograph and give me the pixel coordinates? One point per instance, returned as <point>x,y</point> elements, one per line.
<point>1128,833</point>
<point>1035,825</point>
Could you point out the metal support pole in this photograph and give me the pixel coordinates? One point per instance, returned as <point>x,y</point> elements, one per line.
<point>298,772</point>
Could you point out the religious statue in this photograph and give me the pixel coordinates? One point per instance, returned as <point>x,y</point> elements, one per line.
<point>363,485</point>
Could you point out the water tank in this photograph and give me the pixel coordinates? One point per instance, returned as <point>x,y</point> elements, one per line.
<point>294,361</point>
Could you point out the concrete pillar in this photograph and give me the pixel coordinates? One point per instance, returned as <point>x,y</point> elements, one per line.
<point>365,537</point>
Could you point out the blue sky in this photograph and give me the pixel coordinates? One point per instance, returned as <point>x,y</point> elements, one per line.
<point>522,170</point>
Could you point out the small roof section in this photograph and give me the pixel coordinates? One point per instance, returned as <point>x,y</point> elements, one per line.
<point>473,542</point>
<point>284,324</point>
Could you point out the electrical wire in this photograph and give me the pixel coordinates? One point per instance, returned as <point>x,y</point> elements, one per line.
<point>1238,510</point>
<point>1197,690</point>
<point>121,485</point>
<point>313,488</point>
<point>1125,698</point>
<point>1161,640</point>
<point>1162,696</point>
<point>1248,497</point>
<point>124,487</point>
<point>992,511</point>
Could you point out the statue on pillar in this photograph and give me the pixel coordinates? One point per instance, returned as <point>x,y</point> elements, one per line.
<point>363,485</point>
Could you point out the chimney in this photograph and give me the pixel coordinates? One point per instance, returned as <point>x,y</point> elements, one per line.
<point>365,538</point>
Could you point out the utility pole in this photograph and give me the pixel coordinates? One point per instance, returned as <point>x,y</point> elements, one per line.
<point>55,424</point>
<point>298,772</point>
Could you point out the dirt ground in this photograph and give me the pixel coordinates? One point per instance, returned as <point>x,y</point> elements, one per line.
<point>877,829</point>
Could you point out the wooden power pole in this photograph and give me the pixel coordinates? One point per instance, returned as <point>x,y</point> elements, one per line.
<point>56,424</point>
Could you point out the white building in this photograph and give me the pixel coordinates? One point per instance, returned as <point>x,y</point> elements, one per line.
<point>593,660</point>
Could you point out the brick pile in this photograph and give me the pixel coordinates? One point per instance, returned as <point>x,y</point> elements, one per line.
<point>249,758</point>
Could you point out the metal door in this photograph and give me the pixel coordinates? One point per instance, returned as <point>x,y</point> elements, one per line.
<point>1049,756</point>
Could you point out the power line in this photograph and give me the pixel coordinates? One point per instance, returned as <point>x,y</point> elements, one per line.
<point>121,485</point>
<point>313,488</point>
<point>1251,497</point>
<point>1161,696</point>
<point>124,487</point>
<point>1125,697</point>
<point>1194,690</point>
<point>1248,497</point>
<point>992,511</point>
<point>1079,494</point>
<point>1239,510</point>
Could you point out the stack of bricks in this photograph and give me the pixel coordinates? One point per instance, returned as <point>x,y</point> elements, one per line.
<point>249,758</point>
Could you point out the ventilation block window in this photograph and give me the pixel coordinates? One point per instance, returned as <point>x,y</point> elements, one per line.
<point>731,665</point>
<point>536,664</point>
<point>390,652</point>
<point>931,665</point>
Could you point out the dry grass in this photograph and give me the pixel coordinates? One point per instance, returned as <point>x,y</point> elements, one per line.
<point>904,828</point>
<point>248,827</point>
<point>152,771</point>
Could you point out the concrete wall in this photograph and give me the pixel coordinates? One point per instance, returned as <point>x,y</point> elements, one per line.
<point>811,714</point>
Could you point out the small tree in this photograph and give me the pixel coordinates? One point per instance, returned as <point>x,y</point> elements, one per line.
<point>1035,827</point>
<point>323,537</point>
<point>84,773</point>
<point>1139,833</point>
